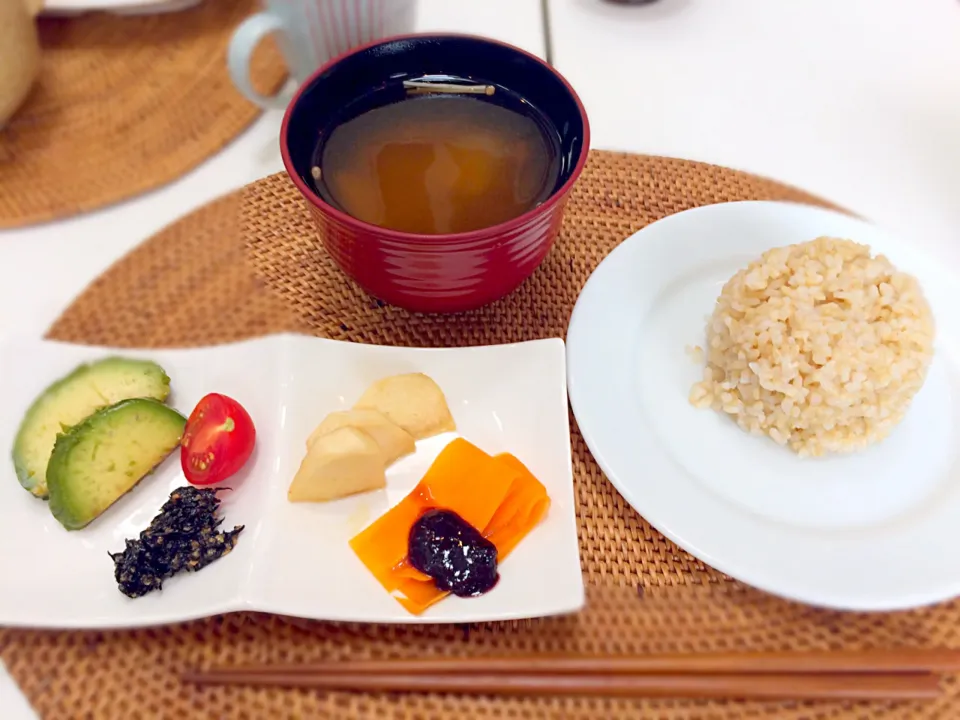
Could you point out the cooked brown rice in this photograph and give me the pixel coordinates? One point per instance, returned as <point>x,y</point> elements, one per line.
<point>818,345</point>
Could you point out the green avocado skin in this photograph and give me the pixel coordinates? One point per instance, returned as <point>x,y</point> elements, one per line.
<point>73,398</point>
<point>97,462</point>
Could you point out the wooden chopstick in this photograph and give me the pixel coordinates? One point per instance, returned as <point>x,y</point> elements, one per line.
<point>418,87</point>
<point>880,686</point>
<point>906,660</point>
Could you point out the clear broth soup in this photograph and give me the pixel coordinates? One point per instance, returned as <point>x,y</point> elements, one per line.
<point>435,164</point>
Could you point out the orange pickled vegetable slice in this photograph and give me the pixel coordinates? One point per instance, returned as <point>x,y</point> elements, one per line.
<point>496,493</point>
<point>525,505</point>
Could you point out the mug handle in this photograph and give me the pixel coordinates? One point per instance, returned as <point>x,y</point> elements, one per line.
<point>244,41</point>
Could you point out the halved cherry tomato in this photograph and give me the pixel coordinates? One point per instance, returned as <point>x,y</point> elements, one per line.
<point>217,441</point>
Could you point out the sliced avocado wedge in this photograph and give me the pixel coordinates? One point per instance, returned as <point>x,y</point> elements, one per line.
<point>70,400</point>
<point>98,461</point>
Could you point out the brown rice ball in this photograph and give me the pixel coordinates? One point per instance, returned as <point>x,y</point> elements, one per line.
<point>818,345</point>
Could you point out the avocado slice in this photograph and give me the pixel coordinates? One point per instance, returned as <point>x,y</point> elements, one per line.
<point>98,461</point>
<point>73,398</point>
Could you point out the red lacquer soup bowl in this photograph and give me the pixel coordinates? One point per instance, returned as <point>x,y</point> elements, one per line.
<point>434,273</point>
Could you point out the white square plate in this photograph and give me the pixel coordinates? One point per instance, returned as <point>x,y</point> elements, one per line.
<point>292,559</point>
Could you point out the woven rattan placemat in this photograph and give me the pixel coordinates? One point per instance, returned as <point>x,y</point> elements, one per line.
<point>191,285</point>
<point>125,104</point>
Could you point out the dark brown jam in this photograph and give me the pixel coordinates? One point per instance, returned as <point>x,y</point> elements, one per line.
<point>454,553</point>
<point>184,536</point>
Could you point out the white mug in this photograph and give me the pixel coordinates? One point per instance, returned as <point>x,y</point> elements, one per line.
<point>310,32</point>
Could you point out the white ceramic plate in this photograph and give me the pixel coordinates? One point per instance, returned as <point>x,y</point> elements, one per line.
<point>118,7</point>
<point>872,531</point>
<point>293,559</point>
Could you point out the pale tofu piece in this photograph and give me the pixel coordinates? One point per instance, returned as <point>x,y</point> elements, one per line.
<point>413,401</point>
<point>394,441</point>
<point>343,462</point>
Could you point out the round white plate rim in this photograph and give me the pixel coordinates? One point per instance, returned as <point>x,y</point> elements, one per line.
<point>579,321</point>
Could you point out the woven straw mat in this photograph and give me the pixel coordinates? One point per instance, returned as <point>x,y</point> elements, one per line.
<point>644,594</point>
<point>124,105</point>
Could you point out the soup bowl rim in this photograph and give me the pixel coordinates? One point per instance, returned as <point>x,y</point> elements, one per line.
<point>486,233</point>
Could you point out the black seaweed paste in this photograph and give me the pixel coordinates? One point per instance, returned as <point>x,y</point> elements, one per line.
<point>451,551</point>
<point>184,536</point>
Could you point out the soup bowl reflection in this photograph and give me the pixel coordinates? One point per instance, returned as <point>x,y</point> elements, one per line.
<point>442,272</point>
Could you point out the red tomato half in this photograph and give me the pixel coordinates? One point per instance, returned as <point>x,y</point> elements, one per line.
<point>217,441</point>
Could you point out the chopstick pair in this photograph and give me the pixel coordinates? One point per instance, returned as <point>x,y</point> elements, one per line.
<point>860,675</point>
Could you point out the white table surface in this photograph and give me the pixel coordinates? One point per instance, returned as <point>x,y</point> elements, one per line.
<point>43,267</point>
<point>857,100</point>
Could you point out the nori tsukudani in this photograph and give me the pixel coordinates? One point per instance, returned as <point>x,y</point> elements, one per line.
<point>184,536</point>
